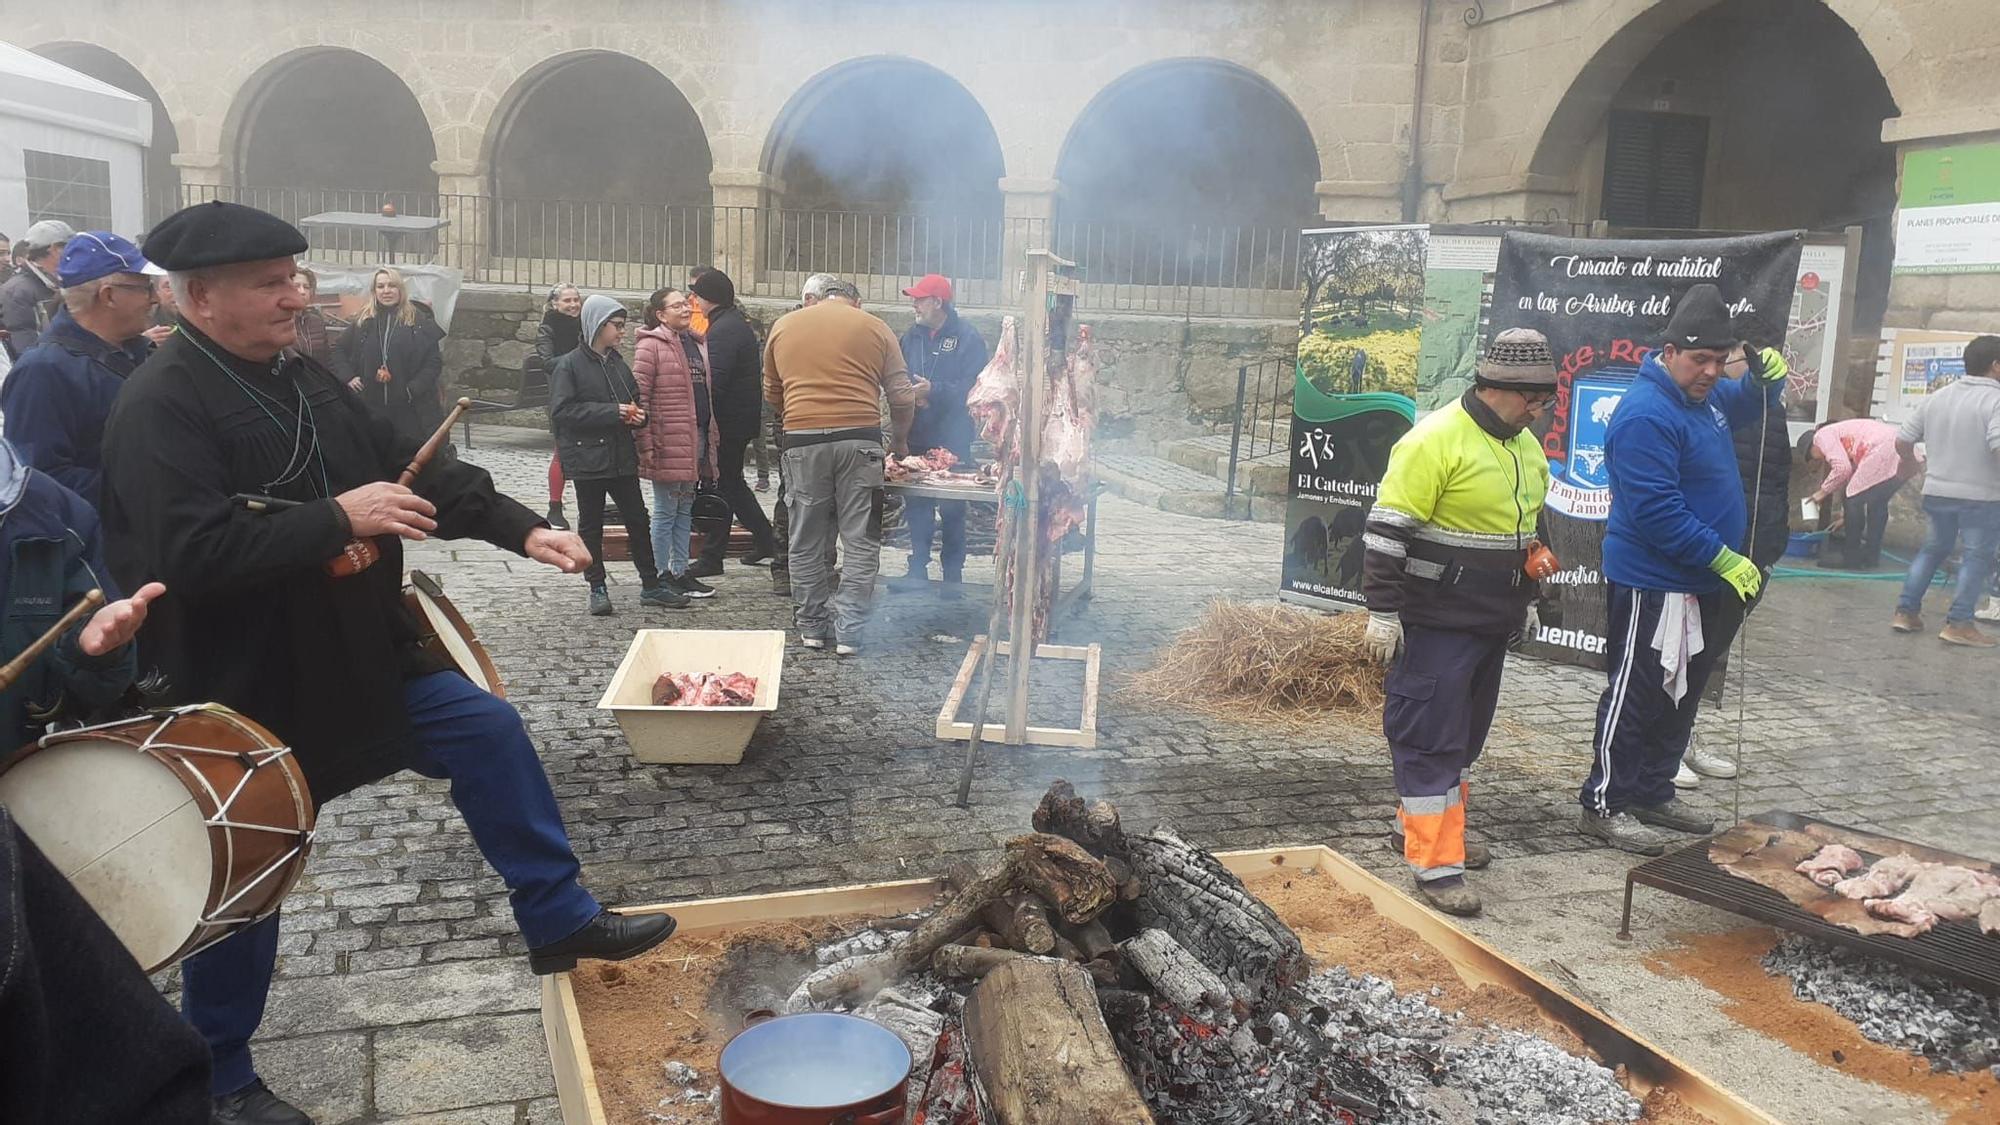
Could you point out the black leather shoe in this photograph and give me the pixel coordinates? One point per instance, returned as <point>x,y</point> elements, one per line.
<point>608,937</point>
<point>255,1104</point>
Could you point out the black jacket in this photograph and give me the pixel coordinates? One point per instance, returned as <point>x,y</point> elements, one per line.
<point>735,374</point>
<point>585,391</point>
<point>411,399</point>
<point>250,618</point>
<point>952,359</point>
<point>86,1037</point>
<point>1771,507</point>
<point>24,310</point>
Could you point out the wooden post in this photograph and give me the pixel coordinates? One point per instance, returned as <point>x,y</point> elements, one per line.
<point>1027,540</point>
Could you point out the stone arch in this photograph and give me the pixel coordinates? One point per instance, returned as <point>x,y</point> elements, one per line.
<point>330,128</point>
<point>1187,171</point>
<point>1810,153</point>
<point>598,155</point>
<point>163,180</point>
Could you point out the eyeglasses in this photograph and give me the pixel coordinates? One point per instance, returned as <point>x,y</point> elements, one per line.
<point>1537,401</point>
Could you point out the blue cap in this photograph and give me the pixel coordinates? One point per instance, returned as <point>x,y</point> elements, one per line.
<point>94,253</point>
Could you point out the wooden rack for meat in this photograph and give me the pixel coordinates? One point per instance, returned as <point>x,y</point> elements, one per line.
<point>1051,280</point>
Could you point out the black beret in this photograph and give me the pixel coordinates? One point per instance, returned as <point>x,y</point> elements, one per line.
<point>217,233</point>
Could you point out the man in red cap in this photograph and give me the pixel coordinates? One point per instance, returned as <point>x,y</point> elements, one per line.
<point>944,353</point>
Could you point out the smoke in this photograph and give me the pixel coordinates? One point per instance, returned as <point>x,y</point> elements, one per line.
<point>891,135</point>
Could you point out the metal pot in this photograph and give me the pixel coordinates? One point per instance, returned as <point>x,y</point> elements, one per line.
<point>814,1068</point>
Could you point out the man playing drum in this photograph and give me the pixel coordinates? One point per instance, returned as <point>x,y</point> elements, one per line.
<point>70,996</point>
<point>254,619</point>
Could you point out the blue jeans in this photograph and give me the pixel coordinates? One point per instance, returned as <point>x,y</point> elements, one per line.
<point>673,524</point>
<point>478,742</point>
<point>1977,523</point>
<point>923,514</point>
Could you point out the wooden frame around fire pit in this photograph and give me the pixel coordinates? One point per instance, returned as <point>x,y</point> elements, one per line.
<point>1475,961</point>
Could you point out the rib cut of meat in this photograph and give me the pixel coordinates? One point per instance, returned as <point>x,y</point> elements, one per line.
<point>1939,893</point>
<point>1989,917</point>
<point>704,689</point>
<point>1889,875</point>
<point>1831,864</point>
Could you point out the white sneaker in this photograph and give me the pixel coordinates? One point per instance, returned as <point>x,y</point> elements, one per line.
<point>813,642</point>
<point>1685,778</point>
<point>1990,611</point>
<point>1707,763</point>
<point>845,649</point>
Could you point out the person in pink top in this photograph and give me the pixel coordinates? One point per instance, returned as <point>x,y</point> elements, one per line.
<point>1863,468</point>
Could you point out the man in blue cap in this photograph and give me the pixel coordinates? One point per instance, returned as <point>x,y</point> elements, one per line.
<point>60,393</point>
<point>1673,551</point>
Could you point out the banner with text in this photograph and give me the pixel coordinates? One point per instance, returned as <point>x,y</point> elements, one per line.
<point>1603,305</point>
<point>1360,322</point>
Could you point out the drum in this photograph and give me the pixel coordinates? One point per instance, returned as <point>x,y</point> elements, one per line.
<point>444,633</point>
<point>177,827</point>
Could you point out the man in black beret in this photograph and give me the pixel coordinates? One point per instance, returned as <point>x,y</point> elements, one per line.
<point>330,664</point>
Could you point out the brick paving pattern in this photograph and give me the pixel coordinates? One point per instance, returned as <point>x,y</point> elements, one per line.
<point>401,989</point>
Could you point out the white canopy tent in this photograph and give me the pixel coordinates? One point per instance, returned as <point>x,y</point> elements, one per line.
<point>71,147</point>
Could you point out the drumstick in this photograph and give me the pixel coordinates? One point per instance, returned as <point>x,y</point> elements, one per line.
<point>12,670</point>
<point>430,448</point>
<point>360,554</point>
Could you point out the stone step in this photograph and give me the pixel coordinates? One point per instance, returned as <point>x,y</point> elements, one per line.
<point>1159,483</point>
<point>1263,475</point>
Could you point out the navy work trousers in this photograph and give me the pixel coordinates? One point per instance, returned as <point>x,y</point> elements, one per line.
<point>1441,695</point>
<point>477,742</point>
<point>1641,731</point>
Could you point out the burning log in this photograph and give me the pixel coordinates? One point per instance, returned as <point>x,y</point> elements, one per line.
<point>1021,920</point>
<point>970,962</point>
<point>1196,900</point>
<point>1094,824</point>
<point>1041,1051</point>
<point>1093,942</point>
<point>1180,977</point>
<point>1070,880</point>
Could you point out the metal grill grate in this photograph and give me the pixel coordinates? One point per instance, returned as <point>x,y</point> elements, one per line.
<point>1956,951</point>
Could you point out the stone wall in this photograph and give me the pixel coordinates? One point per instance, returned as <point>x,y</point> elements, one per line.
<point>1158,377</point>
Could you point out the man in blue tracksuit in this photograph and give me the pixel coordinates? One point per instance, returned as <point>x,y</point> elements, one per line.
<point>1671,555</point>
<point>945,354</point>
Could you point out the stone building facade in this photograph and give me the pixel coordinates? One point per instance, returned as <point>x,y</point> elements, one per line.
<point>1411,109</point>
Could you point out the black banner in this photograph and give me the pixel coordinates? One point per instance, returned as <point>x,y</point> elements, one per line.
<point>1604,305</point>
<point>1340,446</point>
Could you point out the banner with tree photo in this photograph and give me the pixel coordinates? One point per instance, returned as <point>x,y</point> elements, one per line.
<point>1360,324</point>
<point>1604,305</point>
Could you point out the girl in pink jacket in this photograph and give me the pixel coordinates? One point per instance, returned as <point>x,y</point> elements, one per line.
<point>679,445</point>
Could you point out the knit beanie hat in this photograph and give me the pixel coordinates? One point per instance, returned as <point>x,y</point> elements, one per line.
<point>1518,359</point>
<point>715,288</point>
<point>1701,320</point>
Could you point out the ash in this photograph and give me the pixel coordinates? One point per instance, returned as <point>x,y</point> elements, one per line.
<point>1439,1068</point>
<point>1419,1064</point>
<point>1956,1028</point>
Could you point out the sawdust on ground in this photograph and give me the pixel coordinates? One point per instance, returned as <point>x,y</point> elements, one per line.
<point>1731,963</point>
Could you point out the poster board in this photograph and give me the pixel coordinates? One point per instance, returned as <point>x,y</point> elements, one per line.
<point>1921,362</point>
<point>1604,305</point>
<point>1354,388</point>
<point>1948,210</point>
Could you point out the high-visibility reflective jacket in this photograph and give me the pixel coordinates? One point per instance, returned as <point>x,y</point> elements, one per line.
<point>1456,510</point>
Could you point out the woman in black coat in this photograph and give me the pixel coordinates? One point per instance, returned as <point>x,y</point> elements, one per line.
<point>391,358</point>
<point>558,335</point>
<point>736,383</point>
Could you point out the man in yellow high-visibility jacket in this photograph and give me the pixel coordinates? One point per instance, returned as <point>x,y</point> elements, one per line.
<point>1450,571</point>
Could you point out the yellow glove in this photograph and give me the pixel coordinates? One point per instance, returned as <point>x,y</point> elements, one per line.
<point>1741,574</point>
<point>1768,364</point>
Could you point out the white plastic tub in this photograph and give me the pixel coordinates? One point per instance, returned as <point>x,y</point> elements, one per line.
<point>713,735</point>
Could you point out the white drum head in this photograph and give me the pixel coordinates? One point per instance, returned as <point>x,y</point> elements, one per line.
<point>124,830</point>
<point>461,653</point>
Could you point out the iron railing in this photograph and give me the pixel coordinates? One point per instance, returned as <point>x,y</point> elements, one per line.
<point>1262,422</point>
<point>1204,271</point>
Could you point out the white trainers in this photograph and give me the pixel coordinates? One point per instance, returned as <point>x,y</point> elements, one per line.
<point>1990,611</point>
<point>1685,778</point>
<point>1706,762</point>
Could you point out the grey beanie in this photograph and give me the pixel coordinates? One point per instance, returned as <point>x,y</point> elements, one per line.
<point>1518,359</point>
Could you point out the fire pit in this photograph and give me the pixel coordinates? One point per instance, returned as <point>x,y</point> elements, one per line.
<point>1142,1021</point>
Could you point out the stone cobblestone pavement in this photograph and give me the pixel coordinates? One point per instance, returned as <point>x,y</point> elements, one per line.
<point>402,995</point>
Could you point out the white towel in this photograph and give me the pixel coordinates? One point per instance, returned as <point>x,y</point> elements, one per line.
<point>1678,639</point>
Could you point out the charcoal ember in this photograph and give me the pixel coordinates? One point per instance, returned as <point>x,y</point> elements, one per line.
<point>950,1097</point>
<point>858,945</point>
<point>681,1074</point>
<point>801,998</point>
<point>909,1013</point>
<point>1956,1028</point>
